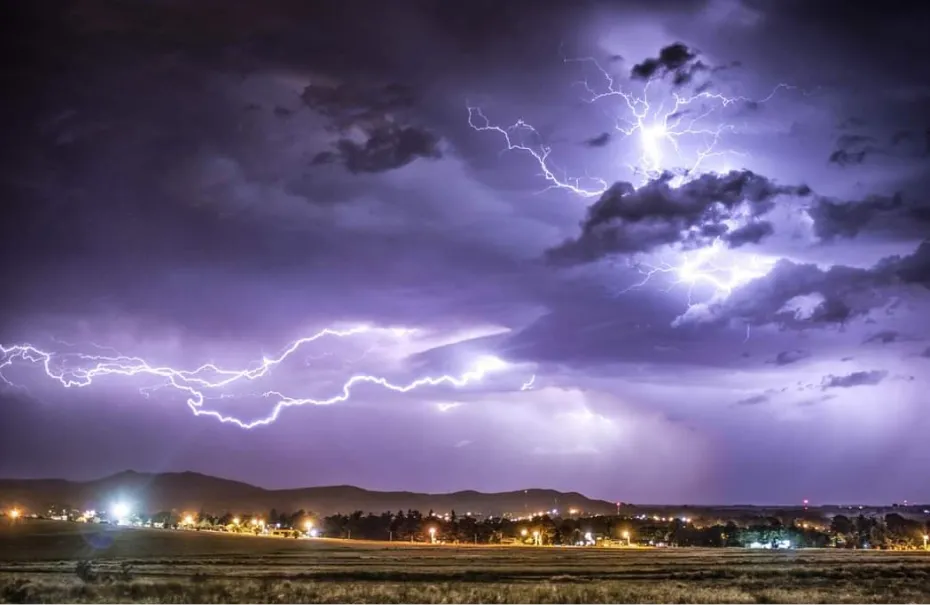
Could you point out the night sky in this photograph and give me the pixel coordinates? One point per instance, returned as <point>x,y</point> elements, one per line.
<point>732,309</point>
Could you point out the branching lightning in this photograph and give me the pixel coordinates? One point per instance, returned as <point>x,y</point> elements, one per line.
<point>703,267</point>
<point>81,370</point>
<point>658,128</point>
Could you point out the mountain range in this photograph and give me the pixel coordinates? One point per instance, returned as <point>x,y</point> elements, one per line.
<point>188,491</point>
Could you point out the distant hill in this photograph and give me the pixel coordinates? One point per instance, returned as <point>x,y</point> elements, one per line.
<point>155,492</point>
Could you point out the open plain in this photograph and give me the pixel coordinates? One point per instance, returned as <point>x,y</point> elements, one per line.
<point>62,562</point>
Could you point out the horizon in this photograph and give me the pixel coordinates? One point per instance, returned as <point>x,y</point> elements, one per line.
<point>796,505</point>
<point>639,251</point>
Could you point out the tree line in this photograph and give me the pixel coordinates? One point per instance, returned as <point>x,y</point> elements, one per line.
<point>888,531</point>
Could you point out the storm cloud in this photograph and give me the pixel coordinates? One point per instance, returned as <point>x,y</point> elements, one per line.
<point>631,220</point>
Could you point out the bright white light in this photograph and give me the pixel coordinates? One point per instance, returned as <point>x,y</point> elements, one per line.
<point>652,137</point>
<point>490,363</point>
<point>121,511</point>
<point>717,267</point>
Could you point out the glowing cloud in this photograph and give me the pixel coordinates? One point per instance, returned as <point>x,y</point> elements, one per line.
<point>658,122</point>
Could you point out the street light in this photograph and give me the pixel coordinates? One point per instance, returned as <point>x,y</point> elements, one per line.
<point>926,538</point>
<point>235,520</point>
<point>120,512</point>
<point>188,519</point>
<point>14,515</point>
<point>523,532</point>
<point>308,525</point>
<point>536,537</point>
<point>626,536</point>
<point>432,535</point>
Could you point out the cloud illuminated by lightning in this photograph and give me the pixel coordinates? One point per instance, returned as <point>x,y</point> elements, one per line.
<point>704,267</point>
<point>658,127</point>
<point>81,370</point>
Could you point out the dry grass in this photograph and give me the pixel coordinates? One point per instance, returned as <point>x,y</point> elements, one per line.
<point>37,564</point>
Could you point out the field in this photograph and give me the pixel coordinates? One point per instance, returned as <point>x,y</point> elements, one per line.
<point>48,562</point>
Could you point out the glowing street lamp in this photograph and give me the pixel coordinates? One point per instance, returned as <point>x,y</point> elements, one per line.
<point>523,532</point>
<point>188,519</point>
<point>537,539</point>
<point>14,515</point>
<point>626,536</point>
<point>926,539</point>
<point>236,521</point>
<point>121,512</point>
<point>308,525</point>
<point>432,535</point>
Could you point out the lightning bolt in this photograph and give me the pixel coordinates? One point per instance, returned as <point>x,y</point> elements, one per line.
<point>664,124</point>
<point>703,267</point>
<point>193,383</point>
<point>658,128</point>
<point>528,385</point>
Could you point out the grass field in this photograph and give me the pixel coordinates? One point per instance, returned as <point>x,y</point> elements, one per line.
<point>38,563</point>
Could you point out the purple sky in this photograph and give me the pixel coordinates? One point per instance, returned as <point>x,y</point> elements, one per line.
<point>206,182</point>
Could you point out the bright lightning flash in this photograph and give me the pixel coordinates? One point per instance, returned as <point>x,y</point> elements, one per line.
<point>81,370</point>
<point>704,267</point>
<point>659,129</point>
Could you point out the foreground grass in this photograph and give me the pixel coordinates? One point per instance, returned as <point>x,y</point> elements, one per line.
<point>38,563</point>
<point>557,591</point>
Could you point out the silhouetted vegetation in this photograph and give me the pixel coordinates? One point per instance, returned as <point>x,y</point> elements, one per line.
<point>891,531</point>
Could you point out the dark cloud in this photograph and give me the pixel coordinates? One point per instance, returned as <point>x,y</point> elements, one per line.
<point>751,233</point>
<point>387,148</point>
<point>676,60</point>
<point>349,105</point>
<point>754,400</point>
<point>600,140</point>
<point>884,337</point>
<point>630,220</point>
<point>853,149</point>
<point>380,113</point>
<point>785,358</point>
<point>846,219</point>
<point>856,379</point>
